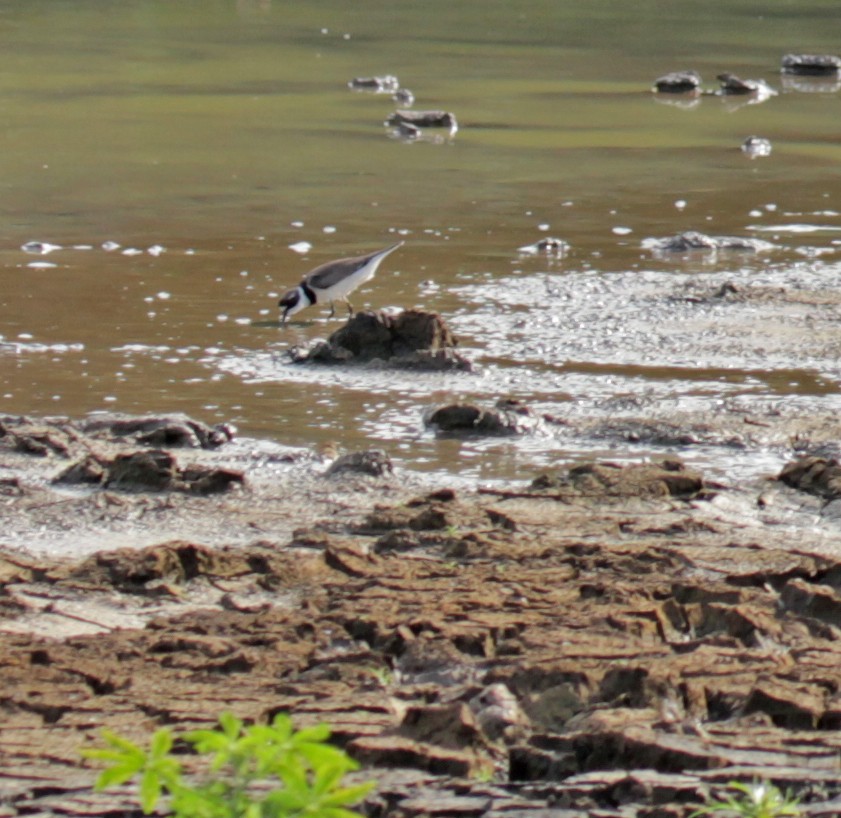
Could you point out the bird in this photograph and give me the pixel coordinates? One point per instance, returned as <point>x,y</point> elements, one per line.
<point>332,281</point>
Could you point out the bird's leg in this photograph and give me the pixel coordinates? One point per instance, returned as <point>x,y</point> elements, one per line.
<point>349,307</point>
<point>332,309</point>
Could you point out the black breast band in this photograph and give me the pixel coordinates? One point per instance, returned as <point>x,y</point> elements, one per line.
<point>308,292</point>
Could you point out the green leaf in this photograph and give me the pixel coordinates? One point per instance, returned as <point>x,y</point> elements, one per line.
<point>150,791</point>
<point>282,724</point>
<point>253,810</point>
<point>326,778</point>
<point>230,724</point>
<point>317,734</point>
<point>206,741</point>
<point>309,770</point>
<point>323,755</point>
<point>348,795</point>
<point>124,744</point>
<point>115,775</point>
<point>99,754</point>
<point>161,743</point>
<point>284,802</point>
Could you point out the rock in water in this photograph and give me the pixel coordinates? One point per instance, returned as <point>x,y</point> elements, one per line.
<point>678,82</point>
<point>412,339</point>
<point>814,65</point>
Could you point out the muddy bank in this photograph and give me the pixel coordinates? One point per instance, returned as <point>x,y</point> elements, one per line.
<point>605,640</point>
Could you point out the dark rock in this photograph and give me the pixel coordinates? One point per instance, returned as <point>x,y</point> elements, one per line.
<point>814,475</point>
<point>161,430</point>
<point>88,470</point>
<point>11,487</point>
<point>731,85</point>
<point>382,85</point>
<point>434,518</point>
<point>669,478</point>
<point>528,763</point>
<point>374,462</point>
<point>39,248</point>
<point>451,725</point>
<point>41,439</point>
<point>757,146</point>
<point>794,706</point>
<point>404,96</point>
<point>548,245</point>
<point>209,480</point>
<point>424,119</point>
<point>552,707</point>
<point>412,339</point>
<point>692,240</point>
<point>141,570</point>
<point>466,418</point>
<point>399,751</point>
<point>689,240</point>
<point>153,470</point>
<point>678,82</point>
<point>405,130</point>
<point>814,601</point>
<point>728,288</point>
<point>816,65</point>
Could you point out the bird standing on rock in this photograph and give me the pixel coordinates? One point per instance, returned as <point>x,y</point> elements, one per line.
<point>333,281</point>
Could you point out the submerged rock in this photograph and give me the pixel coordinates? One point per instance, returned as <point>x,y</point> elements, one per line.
<point>467,418</point>
<point>548,245</point>
<point>39,248</point>
<point>412,339</point>
<point>731,84</point>
<point>388,84</point>
<point>424,119</point>
<point>374,462</point>
<point>692,240</point>
<point>815,65</point>
<point>755,146</point>
<point>678,82</point>
<point>175,430</point>
<point>407,131</point>
<point>404,96</point>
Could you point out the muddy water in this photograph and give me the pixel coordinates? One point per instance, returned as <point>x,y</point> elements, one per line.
<point>168,155</point>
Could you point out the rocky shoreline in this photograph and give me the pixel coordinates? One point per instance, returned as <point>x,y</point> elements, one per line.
<point>605,641</point>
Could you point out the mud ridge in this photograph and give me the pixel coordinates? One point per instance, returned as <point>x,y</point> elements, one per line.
<point>604,639</point>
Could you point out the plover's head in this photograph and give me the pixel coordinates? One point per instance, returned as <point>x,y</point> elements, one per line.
<point>293,301</point>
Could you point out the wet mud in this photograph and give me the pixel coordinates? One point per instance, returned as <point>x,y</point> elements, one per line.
<point>603,639</point>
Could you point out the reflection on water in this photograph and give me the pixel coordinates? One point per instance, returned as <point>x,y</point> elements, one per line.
<point>169,169</point>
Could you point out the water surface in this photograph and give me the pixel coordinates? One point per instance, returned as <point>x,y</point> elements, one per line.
<point>174,152</point>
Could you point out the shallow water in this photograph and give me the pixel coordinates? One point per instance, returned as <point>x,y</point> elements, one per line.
<point>173,152</point>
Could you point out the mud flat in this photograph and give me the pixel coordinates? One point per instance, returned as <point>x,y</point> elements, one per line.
<point>602,640</point>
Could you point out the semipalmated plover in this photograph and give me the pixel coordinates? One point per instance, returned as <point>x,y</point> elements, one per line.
<point>333,281</point>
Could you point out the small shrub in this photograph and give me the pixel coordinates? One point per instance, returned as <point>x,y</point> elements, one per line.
<point>304,774</point>
<point>757,800</point>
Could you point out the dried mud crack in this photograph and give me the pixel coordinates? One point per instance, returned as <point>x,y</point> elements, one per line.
<point>603,641</point>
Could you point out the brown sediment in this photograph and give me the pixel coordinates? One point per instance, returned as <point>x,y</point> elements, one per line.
<point>601,639</point>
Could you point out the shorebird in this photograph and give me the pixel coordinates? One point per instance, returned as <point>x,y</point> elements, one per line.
<point>333,281</point>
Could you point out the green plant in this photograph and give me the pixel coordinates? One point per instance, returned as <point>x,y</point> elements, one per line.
<point>383,675</point>
<point>305,773</point>
<point>757,800</point>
